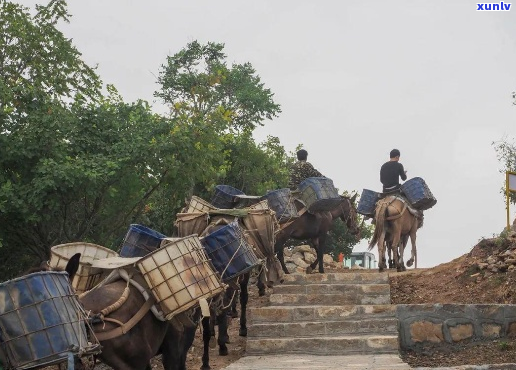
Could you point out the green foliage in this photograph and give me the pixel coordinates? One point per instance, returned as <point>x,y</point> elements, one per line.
<point>504,346</point>
<point>506,154</point>
<point>196,82</point>
<point>80,166</point>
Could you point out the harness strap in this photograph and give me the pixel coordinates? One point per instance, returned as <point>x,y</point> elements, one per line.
<point>390,218</point>
<point>124,328</point>
<point>288,223</point>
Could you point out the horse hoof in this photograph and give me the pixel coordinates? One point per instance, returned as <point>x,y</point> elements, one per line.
<point>410,262</point>
<point>380,269</point>
<point>223,351</point>
<point>207,367</point>
<point>261,292</point>
<point>242,332</point>
<point>309,270</point>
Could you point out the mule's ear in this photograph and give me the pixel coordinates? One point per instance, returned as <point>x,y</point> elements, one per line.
<point>353,198</point>
<point>73,265</point>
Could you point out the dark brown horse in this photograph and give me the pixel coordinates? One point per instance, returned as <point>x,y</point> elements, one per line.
<point>315,227</point>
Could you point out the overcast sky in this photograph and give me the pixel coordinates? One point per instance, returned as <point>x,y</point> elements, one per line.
<point>354,79</point>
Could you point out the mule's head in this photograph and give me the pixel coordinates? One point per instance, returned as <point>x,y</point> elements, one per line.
<point>348,213</point>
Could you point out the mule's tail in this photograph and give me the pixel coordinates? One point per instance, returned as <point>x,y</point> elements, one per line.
<point>380,213</point>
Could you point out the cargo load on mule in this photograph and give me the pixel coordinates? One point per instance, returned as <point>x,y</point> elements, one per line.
<point>258,224</point>
<point>318,194</point>
<point>86,276</point>
<point>140,241</point>
<point>229,251</point>
<point>415,191</point>
<point>281,201</point>
<point>225,196</point>
<point>179,275</point>
<point>418,194</point>
<point>367,202</point>
<point>42,322</point>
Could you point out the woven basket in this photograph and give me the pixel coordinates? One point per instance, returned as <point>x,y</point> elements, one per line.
<point>86,277</point>
<point>191,223</point>
<point>198,205</point>
<point>179,275</point>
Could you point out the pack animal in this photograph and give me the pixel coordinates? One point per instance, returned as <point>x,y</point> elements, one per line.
<point>133,348</point>
<point>315,227</point>
<point>394,225</point>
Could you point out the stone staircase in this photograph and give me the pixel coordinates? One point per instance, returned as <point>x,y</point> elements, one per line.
<point>326,314</point>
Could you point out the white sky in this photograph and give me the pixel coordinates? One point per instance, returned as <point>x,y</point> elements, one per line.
<point>355,79</point>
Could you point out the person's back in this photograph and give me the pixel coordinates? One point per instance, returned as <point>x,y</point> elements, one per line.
<point>391,171</point>
<point>301,170</point>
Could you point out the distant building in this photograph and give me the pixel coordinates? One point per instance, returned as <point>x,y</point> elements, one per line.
<point>363,259</point>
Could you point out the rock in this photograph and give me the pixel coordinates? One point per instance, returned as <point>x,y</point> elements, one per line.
<point>287,252</point>
<point>309,257</point>
<point>299,261</point>
<point>302,248</point>
<point>491,260</point>
<point>482,266</point>
<point>327,258</point>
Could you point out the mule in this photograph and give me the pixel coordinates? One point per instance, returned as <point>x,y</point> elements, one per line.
<point>393,225</point>
<point>315,227</point>
<point>134,348</point>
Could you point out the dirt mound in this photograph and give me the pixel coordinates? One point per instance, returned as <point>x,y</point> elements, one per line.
<point>487,274</point>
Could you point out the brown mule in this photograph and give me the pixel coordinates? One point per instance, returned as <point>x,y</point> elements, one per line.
<point>394,224</point>
<point>315,227</point>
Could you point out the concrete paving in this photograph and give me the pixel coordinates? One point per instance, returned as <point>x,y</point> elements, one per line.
<point>308,362</point>
<point>352,362</point>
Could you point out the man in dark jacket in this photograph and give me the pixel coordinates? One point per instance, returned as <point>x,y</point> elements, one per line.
<point>301,170</point>
<point>391,171</point>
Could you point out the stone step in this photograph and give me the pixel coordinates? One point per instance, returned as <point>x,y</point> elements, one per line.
<point>323,345</point>
<point>336,288</point>
<point>346,298</point>
<point>276,314</point>
<point>378,326</point>
<point>337,278</point>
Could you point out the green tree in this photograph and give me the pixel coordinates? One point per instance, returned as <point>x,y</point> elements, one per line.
<point>215,107</point>
<point>197,83</point>
<point>506,154</point>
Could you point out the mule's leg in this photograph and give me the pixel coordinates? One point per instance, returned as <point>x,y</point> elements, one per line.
<point>413,257</point>
<point>321,248</point>
<point>396,237</point>
<point>244,297</point>
<point>389,253</point>
<point>315,243</point>
<point>206,336</point>
<point>381,252</point>
<point>260,282</point>
<point>278,247</point>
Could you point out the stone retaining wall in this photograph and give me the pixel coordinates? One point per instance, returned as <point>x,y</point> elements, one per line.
<point>452,323</point>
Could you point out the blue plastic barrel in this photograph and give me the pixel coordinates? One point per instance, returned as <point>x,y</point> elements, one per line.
<point>224,197</point>
<point>140,241</point>
<point>418,193</point>
<point>229,251</point>
<point>281,202</point>
<point>40,320</point>
<point>367,202</point>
